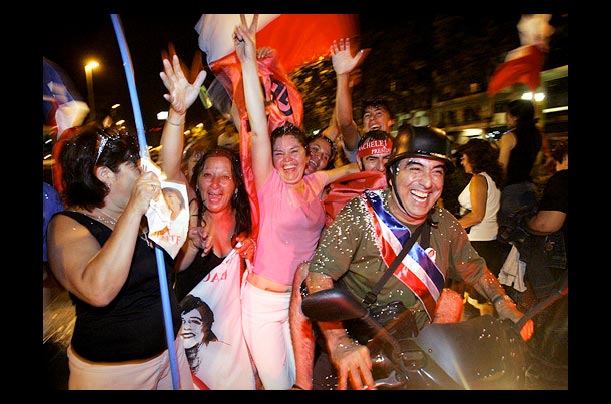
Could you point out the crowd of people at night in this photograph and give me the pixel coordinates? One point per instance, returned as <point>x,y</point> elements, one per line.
<point>291,215</point>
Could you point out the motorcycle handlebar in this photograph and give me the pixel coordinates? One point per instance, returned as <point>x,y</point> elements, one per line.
<point>559,293</point>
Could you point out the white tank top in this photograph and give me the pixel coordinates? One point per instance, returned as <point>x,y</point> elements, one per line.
<point>488,228</point>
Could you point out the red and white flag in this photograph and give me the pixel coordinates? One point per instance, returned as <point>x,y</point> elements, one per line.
<point>524,64</point>
<point>62,105</point>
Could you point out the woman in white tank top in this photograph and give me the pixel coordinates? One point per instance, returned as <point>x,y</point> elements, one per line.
<point>481,200</point>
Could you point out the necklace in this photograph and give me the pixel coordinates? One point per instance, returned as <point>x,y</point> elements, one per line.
<point>110,222</point>
<point>106,219</point>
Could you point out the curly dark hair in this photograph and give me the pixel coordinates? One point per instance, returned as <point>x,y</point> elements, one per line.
<point>239,201</point>
<point>483,157</point>
<point>93,146</point>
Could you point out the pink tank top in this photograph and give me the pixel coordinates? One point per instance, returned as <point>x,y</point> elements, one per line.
<point>290,225</point>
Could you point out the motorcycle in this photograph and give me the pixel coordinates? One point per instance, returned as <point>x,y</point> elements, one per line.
<point>481,353</point>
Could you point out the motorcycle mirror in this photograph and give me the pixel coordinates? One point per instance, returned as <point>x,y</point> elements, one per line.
<point>333,304</point>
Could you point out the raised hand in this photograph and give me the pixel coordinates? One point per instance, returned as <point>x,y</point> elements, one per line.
<point>181,94</point>
<point>343,61</point>
<point>244,39</point>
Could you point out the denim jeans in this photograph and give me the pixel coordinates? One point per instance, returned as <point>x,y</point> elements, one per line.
<point>514,198</point>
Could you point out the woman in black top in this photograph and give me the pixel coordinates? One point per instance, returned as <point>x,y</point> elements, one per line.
<point>518,152</point>
<point>98,250</point>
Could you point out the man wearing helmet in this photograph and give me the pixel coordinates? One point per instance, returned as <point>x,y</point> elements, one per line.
<point>369,232</point>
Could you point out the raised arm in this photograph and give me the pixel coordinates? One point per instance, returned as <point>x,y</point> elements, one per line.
<point>338,172</point>
<point>181,95</point>
<point>343,64</point>
<point>245,46</point>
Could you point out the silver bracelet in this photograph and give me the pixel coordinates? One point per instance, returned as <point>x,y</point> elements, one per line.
<point>175,124</point>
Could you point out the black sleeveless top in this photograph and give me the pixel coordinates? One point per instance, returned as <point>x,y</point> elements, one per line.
<point>523,155</point>
<point>194,273</point>
<point>132,325</point>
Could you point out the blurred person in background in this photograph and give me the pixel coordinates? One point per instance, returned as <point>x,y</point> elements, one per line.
<point>553,208</point>
<point>519,147</point>
<point>479,203</point>
<point>550,225</point>
<point>480,200</point>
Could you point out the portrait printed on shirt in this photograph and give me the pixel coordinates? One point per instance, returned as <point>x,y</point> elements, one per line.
<point>212,330</point>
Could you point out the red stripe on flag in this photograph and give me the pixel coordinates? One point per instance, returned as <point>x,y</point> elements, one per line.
<point>525,68</point>
<point>301,39</point>
<point>386,251</point>
<point>406,276</point>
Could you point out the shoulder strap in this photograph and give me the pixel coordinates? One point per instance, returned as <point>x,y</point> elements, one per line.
<point>372,296</point>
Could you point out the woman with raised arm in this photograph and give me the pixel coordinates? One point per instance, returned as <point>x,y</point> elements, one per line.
<point>220,210</point>
<point>292,218</point>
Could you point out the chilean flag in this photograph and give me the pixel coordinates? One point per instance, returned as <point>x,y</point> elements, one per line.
<point>62,106</point>
<point>62,109</point>
<point>296,40</point>
<point>524,64</point>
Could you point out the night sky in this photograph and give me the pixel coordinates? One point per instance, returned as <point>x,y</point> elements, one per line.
<point>70,45</point>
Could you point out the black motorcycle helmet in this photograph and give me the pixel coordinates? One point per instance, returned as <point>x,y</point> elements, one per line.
<point>419,141</point>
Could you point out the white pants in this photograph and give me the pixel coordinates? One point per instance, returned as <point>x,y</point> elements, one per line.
<point>152,374</point>
<point>265,321</point>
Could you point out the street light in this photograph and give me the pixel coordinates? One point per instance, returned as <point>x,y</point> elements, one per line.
<point>89,76</point>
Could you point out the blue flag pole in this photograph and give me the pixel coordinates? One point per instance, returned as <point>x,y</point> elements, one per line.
<point>165,297</point>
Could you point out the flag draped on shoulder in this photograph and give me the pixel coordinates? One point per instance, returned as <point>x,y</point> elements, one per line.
<point>296,40</point>
<point>418,270</point>
<point>524,64</point>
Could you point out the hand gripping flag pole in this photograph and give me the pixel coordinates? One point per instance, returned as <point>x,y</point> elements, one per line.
<point>165,299</point>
